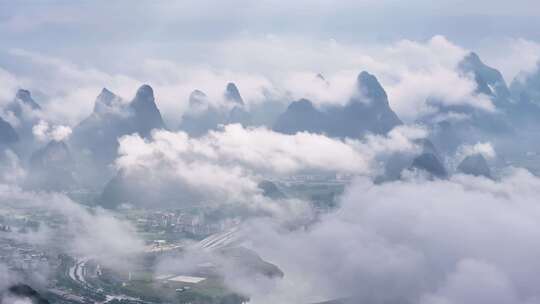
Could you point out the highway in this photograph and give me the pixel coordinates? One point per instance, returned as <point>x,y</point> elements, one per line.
<point>77,274</point>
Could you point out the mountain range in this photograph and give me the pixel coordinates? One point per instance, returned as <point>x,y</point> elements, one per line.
<point>84,160</point>
<point>368,111</point>
<point>204,116</point>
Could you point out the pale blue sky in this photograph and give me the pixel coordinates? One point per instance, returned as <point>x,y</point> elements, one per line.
<point>82,30</point>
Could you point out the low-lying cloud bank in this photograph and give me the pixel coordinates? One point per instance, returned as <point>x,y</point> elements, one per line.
<point>229,163</point>
<point>262,149</point>
<point>463,240</point>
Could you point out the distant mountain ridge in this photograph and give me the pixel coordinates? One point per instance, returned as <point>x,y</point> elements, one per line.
<point>204,116</point>
<point>367,111</point>
<point>93,144</point>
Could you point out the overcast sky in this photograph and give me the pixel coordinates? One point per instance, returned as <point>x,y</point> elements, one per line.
<point>185,30</point>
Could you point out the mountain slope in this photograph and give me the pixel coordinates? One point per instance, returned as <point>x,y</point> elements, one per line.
<point>475,165</point>
<point>489,80</point>
<point>429,163</point>
<point>525,87</point>
<point>97,135</point>
<point>22,99</point>
<point>52,168</point>
<point>301,116</point>
<point>203,115</point>
<point>368,111</point>
<point>147,116</point>
<point>8,135</point>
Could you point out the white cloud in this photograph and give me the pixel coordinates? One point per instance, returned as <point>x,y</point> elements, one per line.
<point>511,56</point>
<point>226,165</point>
<point>262,149</point>
<point>410,71</point>
<point>94,233</point>
<point>474,282</point>
<point>174,82</point>
<point>464,240</point>
<point>59,133</point>
<point>11,168</point>
<point>419,71</point>
<point>336,88</point>
<point>45,132</point>
<point>484,149</point>
<point>8,86</point>
<point>267,150</point>
<point>71,89</point>
<point>443,85</point>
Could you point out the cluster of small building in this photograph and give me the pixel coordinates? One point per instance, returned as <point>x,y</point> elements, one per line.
<point>198,225</point>
<point>23,257</point>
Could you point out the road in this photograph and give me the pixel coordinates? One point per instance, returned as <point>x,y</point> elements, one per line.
<point>77,274</point>
<point>222,239</point>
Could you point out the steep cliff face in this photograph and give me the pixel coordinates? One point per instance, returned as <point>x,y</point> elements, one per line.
<point>489,80</point>
<point>147,116</point>
<point>97,135</point>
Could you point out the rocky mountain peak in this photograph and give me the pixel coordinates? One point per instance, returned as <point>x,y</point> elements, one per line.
<point>105,94</point>
<point>145,92</point>
<point>233,94</point>
<point>22,98</point>
<point>489,80</point>
<point>369,87</point>
<point>147,114</point>
<point>26,97</point>
<point>197,98</point>
<point>105,99</point>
